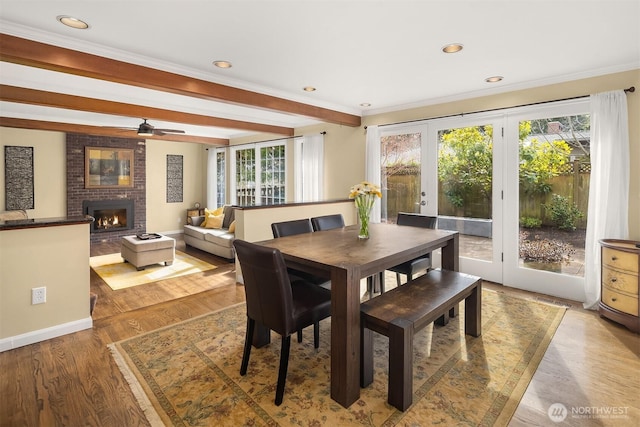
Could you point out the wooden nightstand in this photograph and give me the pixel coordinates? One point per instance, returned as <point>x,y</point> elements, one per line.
<point>619,268</point>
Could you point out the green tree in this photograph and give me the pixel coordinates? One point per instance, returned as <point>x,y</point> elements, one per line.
<point>539,162</point>
<point>465,162</point>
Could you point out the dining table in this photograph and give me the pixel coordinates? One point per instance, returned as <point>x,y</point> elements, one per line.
<point>341,256</point>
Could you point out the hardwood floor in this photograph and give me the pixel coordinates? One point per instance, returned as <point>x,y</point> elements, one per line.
<point>592,364</point>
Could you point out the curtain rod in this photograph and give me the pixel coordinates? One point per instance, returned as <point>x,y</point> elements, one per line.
<point>324,132</point>
<point>628,90</point>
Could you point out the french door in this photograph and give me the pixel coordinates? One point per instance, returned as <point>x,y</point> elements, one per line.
<point>467,172</point>
<point>513,183</point>
<point>428,169</point>
<point>547,173</point>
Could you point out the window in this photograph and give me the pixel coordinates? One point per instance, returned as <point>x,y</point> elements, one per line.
<point>220,177</point>
<point>260,174</point>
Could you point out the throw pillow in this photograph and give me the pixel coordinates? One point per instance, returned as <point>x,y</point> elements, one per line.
<point>214,221</point>
<point>208,212</point>
<point>232,226</point>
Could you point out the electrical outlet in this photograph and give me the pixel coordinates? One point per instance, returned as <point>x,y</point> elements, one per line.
<point>38,295</point>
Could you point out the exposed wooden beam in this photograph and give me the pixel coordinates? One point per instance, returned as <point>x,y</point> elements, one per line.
<point>104,131</point>
<point>79,103</point>
<point>35,54</point>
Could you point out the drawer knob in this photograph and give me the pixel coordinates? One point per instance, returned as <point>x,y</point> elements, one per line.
<point>613,279</point>
<point>614,299</point>
<point>614,258</point>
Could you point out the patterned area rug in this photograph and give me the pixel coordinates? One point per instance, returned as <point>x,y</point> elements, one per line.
<point>188,374</point>
<point>120,275</point>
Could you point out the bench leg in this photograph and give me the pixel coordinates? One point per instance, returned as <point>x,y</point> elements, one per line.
<point>473,312</point>
<point>366,356</point>
<point>400,388</point>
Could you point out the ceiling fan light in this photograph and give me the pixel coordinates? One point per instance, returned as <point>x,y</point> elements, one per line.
<point>145,129</point>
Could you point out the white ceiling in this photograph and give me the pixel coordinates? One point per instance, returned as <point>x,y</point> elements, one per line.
<point>386,53</point>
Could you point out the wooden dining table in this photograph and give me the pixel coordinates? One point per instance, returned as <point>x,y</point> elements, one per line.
<point>342,257</point>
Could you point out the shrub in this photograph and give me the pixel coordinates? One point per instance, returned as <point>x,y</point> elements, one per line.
<point>544,250</point>
<point>563,214</point>
<point>528,222</point>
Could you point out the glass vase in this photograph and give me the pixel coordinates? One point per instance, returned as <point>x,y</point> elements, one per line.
<point>363,216</point>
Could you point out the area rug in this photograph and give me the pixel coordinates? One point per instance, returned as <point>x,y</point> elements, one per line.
<point>120,275</point>
<point>188,374</point>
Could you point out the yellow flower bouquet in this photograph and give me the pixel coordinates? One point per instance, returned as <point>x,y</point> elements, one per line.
<point>364,196</point>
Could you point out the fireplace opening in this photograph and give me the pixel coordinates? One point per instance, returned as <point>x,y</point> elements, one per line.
<point>110,218</point>
<point>109,215</point>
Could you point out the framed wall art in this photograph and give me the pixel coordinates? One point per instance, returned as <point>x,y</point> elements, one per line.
<point>18,177</point>
<point>174,178</point>
<point>108,167</point>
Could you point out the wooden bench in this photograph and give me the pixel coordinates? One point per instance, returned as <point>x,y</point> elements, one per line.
<point>401,312</point>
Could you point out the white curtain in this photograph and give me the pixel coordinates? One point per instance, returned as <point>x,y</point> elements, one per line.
<point>608,215</point>
<point>372,166</point>
<point>309,170</point>
<point>212,176</point>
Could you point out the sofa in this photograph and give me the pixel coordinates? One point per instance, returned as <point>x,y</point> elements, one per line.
<point>213,239</point>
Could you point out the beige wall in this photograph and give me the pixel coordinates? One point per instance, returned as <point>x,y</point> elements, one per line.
<point>169,217</point>
<point>345,147</point>
<point>55,257</point>
<point>50,171</point>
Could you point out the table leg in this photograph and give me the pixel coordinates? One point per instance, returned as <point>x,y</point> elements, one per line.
<point>345,336</point>
<point>451,253</point>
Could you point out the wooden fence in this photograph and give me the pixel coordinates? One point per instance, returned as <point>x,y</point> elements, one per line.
<point>402,195</point>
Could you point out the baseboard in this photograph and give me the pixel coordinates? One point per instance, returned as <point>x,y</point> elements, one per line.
<point>45,334</point>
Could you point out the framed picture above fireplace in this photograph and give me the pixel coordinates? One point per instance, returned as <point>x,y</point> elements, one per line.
<point>108,167</point>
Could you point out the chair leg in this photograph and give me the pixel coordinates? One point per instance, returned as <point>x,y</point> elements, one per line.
<point>299,335</point>
<point>382,290</point>
<point>316,334</point>
<point>398,278</point>
<point>284,364</point>
<point>247,345</point>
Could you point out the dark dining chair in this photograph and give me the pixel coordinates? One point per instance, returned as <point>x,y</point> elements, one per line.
<point>416,265</point>
<point>274,302</point>
<point>327,222</point>
<point>291,228</point>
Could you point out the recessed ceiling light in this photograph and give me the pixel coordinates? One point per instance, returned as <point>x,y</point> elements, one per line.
<point>452,48</point>
<point>309,89</point>
<point>222,64</point>
<point>365,104</point>
<point>493,79</point>
<point>72,22</point>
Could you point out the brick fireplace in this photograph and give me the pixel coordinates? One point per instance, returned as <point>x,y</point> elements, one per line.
<point>109,202</point>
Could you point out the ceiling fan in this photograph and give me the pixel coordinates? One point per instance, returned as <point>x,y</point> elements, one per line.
<point>146,129</point>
